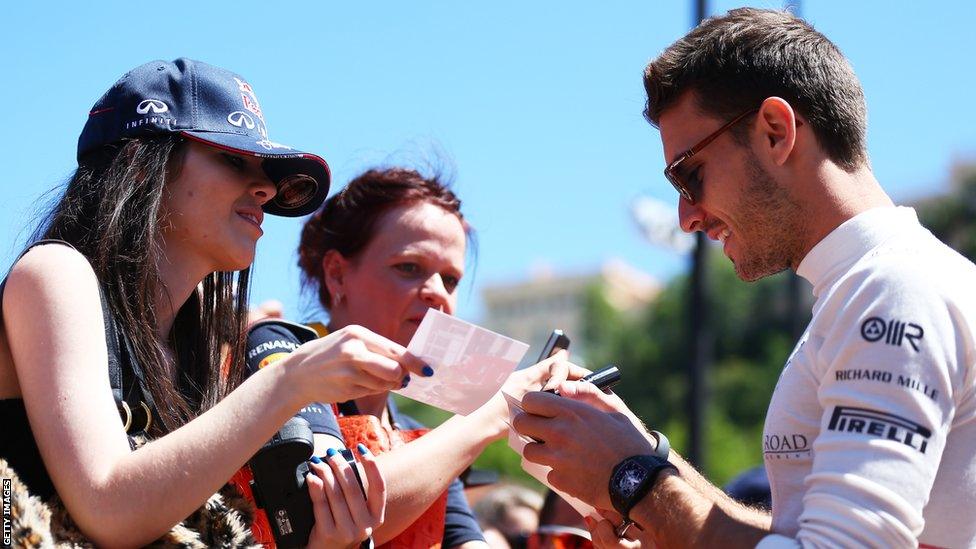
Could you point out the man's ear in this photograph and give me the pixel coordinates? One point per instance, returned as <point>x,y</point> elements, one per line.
<point>777,123</point>
<point>334,267</point>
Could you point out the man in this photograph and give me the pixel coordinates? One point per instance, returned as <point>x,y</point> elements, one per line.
<point>870,437</point>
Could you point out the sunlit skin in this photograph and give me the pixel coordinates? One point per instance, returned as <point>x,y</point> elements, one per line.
<point>741,203</point>
<point>414,262</point>
<point>210,220</point>
<point>211,211</point>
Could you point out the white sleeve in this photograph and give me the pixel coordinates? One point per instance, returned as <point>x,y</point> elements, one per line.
<point>886,366</point>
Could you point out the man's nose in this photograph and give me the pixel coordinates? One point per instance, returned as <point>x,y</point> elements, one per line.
<point>690,216</point>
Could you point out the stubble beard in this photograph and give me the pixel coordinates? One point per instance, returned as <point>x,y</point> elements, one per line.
<point>774,225</point>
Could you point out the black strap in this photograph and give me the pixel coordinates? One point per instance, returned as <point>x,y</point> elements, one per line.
<point>112,342</point>
<point>132,396</point>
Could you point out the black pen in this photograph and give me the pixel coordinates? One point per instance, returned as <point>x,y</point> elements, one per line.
<point>604,379</point>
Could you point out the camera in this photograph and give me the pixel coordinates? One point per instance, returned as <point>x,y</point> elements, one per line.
<point>279,487</point>
<point>279,470</point>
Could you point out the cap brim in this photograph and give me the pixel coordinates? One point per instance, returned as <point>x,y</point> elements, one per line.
<point>302,178</point>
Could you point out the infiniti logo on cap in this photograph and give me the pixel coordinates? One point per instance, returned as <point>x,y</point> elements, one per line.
<point>240,118</point>
<point>154,105</point>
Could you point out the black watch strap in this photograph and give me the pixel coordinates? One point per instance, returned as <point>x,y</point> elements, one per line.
<point>633,478</point>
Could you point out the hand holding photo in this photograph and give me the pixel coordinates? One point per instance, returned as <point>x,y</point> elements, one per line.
<point>539,472</point>
<point>470,363</point>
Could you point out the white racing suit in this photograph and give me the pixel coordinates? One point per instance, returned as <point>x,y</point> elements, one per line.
<point>870,438</point>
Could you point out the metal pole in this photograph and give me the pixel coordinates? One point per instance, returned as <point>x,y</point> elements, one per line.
<point>700,332</point>
<point>701,351</point>
<point>794,290</point>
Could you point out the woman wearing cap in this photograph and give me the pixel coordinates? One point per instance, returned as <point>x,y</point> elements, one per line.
<point>140,272</point>
<point>379,254</point>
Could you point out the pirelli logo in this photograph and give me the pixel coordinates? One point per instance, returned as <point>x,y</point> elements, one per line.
<point>850,419</point>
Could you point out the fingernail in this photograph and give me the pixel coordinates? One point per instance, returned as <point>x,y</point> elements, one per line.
<point>330,452</point>
<point>363,450</point>
<point>428,371</point>
<point>406,381</point>
<point>315,459</point>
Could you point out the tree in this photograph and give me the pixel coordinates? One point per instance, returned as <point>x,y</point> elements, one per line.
<point>952,217</point>
<point>752,341</point>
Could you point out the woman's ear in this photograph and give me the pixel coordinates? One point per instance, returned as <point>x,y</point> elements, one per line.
<point>334,267</point>
<point>777,122</point>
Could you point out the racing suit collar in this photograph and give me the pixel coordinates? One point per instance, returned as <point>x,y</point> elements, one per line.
<point>849,242</point>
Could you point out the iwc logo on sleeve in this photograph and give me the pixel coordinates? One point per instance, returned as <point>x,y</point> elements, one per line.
<point>894,332</point>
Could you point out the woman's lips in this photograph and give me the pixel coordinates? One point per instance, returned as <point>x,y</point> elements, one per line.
<point>250,219</point>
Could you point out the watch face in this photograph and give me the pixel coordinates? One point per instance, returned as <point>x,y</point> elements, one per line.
<point>629,478</point>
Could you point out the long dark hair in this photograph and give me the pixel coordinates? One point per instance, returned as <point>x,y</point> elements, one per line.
<point>110,212</point>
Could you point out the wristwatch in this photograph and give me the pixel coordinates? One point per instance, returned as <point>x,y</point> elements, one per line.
<point>634,477</point>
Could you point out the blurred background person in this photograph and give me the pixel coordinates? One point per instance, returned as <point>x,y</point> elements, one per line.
<point>751,487</point>
<point>560,526</point>
<point>508,515</point>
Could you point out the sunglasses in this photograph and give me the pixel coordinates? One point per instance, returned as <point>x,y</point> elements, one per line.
<point>559,537</point>
<point>689,188</point>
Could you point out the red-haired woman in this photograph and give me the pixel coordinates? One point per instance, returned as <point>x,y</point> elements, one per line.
<point>379,254</point>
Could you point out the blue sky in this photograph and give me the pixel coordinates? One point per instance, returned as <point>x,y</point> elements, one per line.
<point>536,105</point>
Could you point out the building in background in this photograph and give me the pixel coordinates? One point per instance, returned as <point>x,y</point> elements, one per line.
<point>529,310</point>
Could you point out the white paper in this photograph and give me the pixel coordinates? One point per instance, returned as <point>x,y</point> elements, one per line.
<point>470,363</point>
<point>539,472</point>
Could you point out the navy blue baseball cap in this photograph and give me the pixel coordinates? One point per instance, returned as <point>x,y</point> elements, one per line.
<point>213,106</point>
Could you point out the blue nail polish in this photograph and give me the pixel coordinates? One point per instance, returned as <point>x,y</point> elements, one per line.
<point>406,381</point>
<point>428,371</point>
<point>315,459</point>
<point>330,452</point>
<point>363,450</point>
